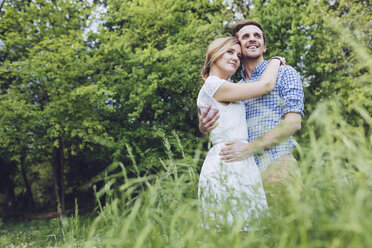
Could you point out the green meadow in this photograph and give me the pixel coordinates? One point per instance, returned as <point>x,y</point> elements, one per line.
<point>98,123</point>
<point>329,205</point>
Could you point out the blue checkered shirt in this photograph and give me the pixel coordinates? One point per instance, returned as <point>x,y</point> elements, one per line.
<point>265,112</point>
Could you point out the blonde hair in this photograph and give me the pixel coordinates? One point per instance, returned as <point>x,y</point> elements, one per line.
<point>215,50</point>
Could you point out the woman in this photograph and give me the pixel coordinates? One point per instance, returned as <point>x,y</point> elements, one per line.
<point>233,191</point>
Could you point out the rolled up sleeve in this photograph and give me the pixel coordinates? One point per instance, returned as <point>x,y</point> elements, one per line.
<point>291,91</point>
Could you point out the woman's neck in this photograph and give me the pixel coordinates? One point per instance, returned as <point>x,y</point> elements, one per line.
<point>218,73</point>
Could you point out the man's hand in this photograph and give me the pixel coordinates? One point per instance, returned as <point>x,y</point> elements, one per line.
<point>207,122</point>
<point>235,151</point>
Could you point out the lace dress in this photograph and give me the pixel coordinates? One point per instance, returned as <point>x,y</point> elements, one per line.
<point>228,192</point>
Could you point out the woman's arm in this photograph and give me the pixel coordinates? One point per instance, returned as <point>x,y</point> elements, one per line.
<point>232,92</point>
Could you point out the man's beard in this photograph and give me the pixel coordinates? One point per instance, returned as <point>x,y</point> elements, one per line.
<point>252,57</point>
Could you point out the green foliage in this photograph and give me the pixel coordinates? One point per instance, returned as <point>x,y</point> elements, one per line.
<point>324,41</point>
<point>125,95</point>
<point>16,125</point>
<point>48,98</point>
<point>151,53</point>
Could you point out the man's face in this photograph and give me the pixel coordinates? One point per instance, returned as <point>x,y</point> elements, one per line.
<point>252,42</point>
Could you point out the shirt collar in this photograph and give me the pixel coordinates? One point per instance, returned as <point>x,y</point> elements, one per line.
<point>257,71</point>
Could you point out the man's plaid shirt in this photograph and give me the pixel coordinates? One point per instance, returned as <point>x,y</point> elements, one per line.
<point>265,112</point>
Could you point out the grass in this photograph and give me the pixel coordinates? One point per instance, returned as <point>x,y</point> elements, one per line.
<point>329,205</point>
<point>44,232</point>
<point>35,233</point>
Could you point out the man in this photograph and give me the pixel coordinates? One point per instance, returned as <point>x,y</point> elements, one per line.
<point>271,119</point>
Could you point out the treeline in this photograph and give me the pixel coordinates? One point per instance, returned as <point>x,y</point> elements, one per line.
<point>85,84</point>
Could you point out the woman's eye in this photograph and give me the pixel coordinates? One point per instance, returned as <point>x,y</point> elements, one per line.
<point>230,52</point>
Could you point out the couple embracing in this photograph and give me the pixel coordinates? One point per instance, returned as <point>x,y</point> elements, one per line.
<point>250,126</point>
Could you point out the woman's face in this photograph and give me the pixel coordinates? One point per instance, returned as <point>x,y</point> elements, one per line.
<point>229,62</point>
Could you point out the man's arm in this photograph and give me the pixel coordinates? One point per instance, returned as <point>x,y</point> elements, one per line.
<point>291,93</point>
<point>237,150</point>
<point>207,122</point>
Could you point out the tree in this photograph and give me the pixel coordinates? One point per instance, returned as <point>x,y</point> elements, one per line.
<point>16,136</point>
<point>151,53</point>
<point>49,73</point>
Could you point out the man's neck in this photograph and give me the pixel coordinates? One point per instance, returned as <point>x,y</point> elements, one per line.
<point>250,65</point>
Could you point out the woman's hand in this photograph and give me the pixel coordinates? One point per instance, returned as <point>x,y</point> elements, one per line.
<point>282,60</point>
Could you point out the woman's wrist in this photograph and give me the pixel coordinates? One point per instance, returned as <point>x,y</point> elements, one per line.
<point>281,59</point>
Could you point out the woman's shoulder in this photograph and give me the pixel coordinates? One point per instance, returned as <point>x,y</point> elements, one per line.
<point>213,82</point>
<point>214,79</point>
<point>211,85</point>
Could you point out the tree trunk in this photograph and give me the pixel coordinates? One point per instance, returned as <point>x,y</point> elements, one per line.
<point>10,198</point>
<point>30,198</point>
<point>7,186</point>
<point>58,166</point>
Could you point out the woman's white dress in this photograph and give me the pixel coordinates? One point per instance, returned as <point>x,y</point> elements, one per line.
<point>228,192</point>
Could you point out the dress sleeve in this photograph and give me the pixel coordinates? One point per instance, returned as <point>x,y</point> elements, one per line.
<point>205,97</point>
<point>212,84</point>
<point>291,91</point>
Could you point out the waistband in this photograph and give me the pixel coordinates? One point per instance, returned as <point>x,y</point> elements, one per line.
<point>224,142</point>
